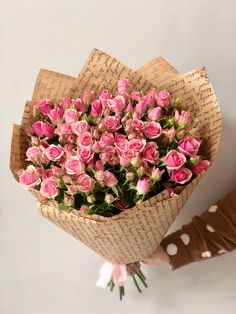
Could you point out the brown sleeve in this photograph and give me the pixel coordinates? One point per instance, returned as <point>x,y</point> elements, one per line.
<point>209,235</point>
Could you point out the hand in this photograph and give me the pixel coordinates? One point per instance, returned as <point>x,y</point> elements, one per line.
<point>158,257</point>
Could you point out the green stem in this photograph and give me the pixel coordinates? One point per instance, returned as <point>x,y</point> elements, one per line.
<point>122,292</point>
<point>136,284</point>
<point>141,279</point>
<point>142,274</point>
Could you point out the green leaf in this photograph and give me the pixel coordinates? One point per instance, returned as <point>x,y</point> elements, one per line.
<point>115,190</point>
<point>65,207</point>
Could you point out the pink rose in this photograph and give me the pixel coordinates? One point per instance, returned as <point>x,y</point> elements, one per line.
<point>38,128</point>
<point>99,175</point>
<point>117,103</point>
<point>74,166</point>
<point>85,154</point>
<point>44,106</point>
<point>181,175</point>
<point>84,209</point>
<point>48,130</point>
<point>68,200</point>
<point>155,114</point>
<point>156,174</point>
<point>135,96</point>
<point>54,152</point>
<point>96,108</point>
<point>163,98</point>
<point>136,125</point>
<point>88,97</point>
<point>126,157</point>
<point>182,119</point>
<point>56,171</point>
<point>149,100</point>
<point>189,146</point>
<point>80,106</point>
<point>120,141</point>
<point>65,103</point>
<point>63,129</point>
<point>47,174</point>
<point>49,188</point>
<point>143,185</point>
<point>141,107</point>
<point>111,123</point>
<point>85,139</point>
<point>129,108</point>
<point>43,129</point>
<point>80,127</point>
<point>136,145</point>
<point>174,160</point>
<point>56,114</point>
<point>104,96</point>
<point>110,179</point>
<point>152,130</point>
<point>122,86</point>
<point>107,139</point>
<point>72,189</point>
<point>71,115</point>
<point>86,183</point>
<point>99,165</point>
<point>109,155</point>
<point>109,198</point>
<point>150,153</point>
<point>200,167</point>
<point>34,154</point>
<point>29,177</point>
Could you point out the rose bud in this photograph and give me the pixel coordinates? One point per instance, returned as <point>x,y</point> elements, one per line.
<point>200,167</point>
<point>155,114</point>
<point>129,176</point>
<point>109,198</point>
<point>91,199</point>
<point>110,179</point>
<point>88,98</point>
<point>163,98</point>
<point>68,200</point>
<point>80,106</point>
<point>122,86</point>
<point>84,208</point>
<point>143,185</point>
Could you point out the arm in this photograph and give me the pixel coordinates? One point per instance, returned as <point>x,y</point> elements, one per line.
<point>209,235</point>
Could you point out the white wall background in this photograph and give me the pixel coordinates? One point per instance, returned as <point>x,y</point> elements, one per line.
<point>42,269</point>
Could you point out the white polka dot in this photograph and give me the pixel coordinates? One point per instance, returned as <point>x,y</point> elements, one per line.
<point>206,254</point>
<point>222,251</point>
<point>210,229</point>
<point>185,238</point>
<point>171,249</point>
<point>213,209</point>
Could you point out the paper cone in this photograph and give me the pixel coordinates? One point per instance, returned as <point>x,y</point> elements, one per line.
<point>135,233</point>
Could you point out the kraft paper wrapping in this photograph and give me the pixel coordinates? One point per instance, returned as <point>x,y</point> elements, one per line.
<point>133,234</point>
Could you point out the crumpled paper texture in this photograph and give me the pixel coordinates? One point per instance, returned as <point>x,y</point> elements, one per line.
<point>133,234</point>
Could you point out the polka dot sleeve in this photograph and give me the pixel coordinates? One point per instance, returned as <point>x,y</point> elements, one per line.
<point>209,235</point>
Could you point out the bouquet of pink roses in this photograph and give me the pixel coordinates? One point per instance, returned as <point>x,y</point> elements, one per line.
<point>101,154</point>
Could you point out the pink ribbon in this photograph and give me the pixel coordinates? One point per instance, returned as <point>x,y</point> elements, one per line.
<point>108,271</point>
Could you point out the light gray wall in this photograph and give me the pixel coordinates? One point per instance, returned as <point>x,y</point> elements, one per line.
<point>43,270</point>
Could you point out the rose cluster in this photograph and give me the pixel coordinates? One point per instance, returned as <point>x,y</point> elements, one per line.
<point>104,154</point>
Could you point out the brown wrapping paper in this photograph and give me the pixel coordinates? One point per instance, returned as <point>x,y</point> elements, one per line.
<point>134,234</point>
